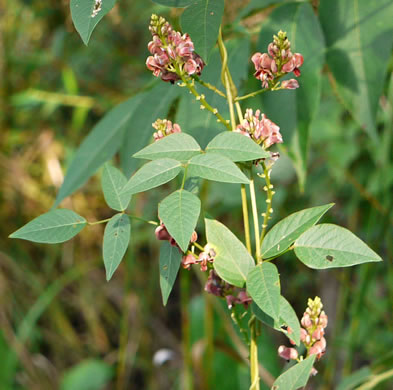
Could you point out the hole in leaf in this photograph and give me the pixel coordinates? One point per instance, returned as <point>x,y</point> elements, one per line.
<point>329,258</point>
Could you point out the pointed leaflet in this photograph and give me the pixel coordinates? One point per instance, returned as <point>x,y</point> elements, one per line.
<point>330,246</point>
<point>213,166</point>
<point>202,20</point>
<point>86,15</point>
<point>98,147</point>
<point>299,106</point>
<point>170,259</point>
<point>232,262</point>
<point>151,175</point>
<point>359,36</point>
<point>296,377</point>
<point>285,232</point>
<point>116,240</point>
<point>288,317</point>
<point>236,147</point>
<point>179,146</point>
<point>179,212</point>
<point>112,182</point>
<point>51,228</point>
<point>263,285</point>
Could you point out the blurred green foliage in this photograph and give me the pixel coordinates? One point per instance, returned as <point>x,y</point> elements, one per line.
<point>61,323</point>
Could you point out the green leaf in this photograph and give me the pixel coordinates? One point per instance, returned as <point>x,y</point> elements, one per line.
<point>179,146</point>
<point>170,259</point>
<point>359,36</point>
<point>113,181</point>
<point>288,317</point>
<point>285,232</point>
<point>179,212</point>
<point>232,262</point>
<point>330,246</point>
<point>263,285</point>
<point>236,147</point>
<point>98,147</point>
<point>174,3</point>
<point>52,227</point>
<point>298,107</point>
<point>255,5</point>
<point>213,166</point>
<point>154,104</point>
<point>151,175</point>
<point>87,375</point>
<point>296,377</point>
<point>84,17</point>
<point>116,240</point>
<point>202,20</point>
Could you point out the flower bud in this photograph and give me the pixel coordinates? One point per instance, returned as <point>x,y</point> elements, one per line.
<point>287,353</point>
<point>290,84</point>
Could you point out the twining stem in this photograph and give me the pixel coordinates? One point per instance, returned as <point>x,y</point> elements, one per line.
<point>186,331</point>
<point>374,380</point>
<point>209,86</point>
<point>269,196</point>
<point>254,355</point>
<point>256,221</point>
<point>204,103</point>
<point>245,218</point>
<point>239,111</point>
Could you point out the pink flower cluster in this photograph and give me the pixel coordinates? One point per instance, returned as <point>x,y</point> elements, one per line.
<point>204,258</point>
<point>277,62</point>
<point>164,127</point>
<point>314,322</point>
<point>260,129</point>
<point>233,295</point>
<point>162,234</point>
<point>173,54</point>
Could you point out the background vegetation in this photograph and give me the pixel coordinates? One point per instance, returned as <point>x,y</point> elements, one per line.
<point>61,324</point>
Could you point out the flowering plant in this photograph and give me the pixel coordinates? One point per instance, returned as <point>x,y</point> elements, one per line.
<point>241,272</point>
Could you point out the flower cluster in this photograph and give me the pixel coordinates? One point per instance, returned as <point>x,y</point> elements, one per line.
<point>314,322</point>
<point>279,61</point>
<point>260,129</point>
<point>173,54</point>
<point>162,234</point>
<point>164,127</point>
<point>205,257</point>
<point>233,295</point>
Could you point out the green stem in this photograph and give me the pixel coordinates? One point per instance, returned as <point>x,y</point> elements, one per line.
<point>209,86</point>
<point>245,218</point>
<point>200,247</point>
<point>98,222</point>
<point>204,103</point>
<point>254,371</point>
<point>256,221</point>
<point>269,198</point>
<point>142,220</point>
<point>184,178</point>
<point>186,331</point>
<point>239,111</point>
<point>252,94</point>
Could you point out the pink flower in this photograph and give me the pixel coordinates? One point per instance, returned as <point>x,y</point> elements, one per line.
<point>165,127</point>
<point>287,353</point>
<point>290,84</point>
<point>188,260</point>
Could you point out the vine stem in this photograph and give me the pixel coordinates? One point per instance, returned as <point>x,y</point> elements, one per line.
<point>252,94</point>
<point>254,371</point>
<point>245,218</point>
<point>256,221</point>
<point>128,215</point>
<point>269,190</point>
